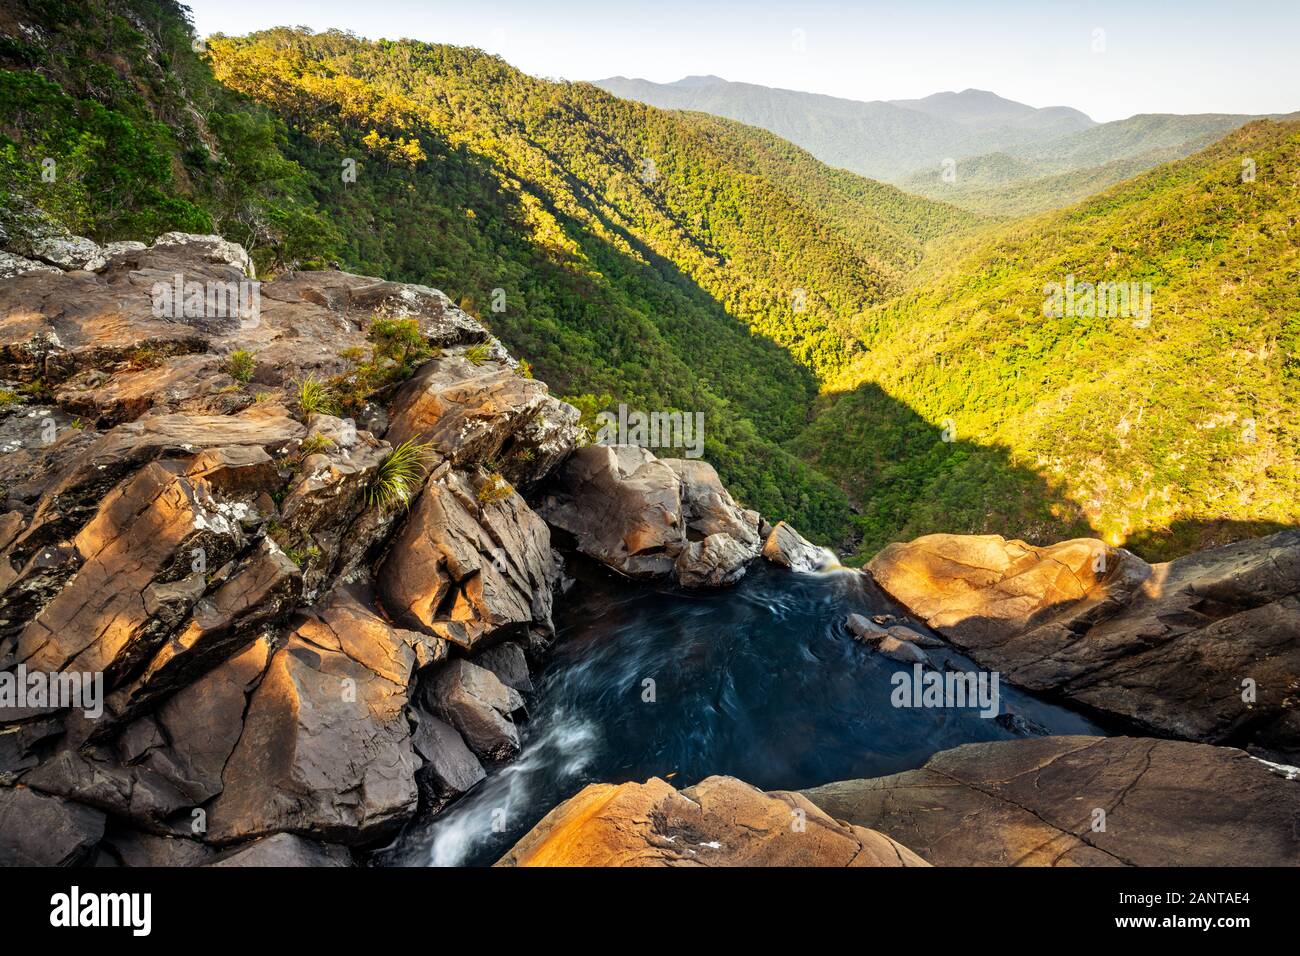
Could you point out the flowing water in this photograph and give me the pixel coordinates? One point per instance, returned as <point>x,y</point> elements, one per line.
<point>761,681</point>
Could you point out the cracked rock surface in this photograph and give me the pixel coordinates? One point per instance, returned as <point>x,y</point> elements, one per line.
<point>721,821</point>
<point>1082,801</point>
<point>1205,647</point>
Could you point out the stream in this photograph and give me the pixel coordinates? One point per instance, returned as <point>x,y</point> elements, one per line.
<point>761,681</point>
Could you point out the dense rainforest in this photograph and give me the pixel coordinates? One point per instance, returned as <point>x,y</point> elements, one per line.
<point>872,365</point>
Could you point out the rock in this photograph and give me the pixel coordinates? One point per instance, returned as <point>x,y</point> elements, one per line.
<point>717,561</point>
<point>1166,648</point>
<point>788,548</point>
<point>474,414</point>
<point>904,633</point>
<point>466,569</point>
<point>20,744</point>
<point>285,849</point>
<point>478,705</point>
<point>903,651</point>
<point>133,848</point>
<point>718,822</point>
<point>326,746</point>
<point>12,266</point>
<point>212,248</point>
<point>67,252</point>
<point>1034,802</point>
<point>865,629</point>
<point>450,769</point>
<point>649,518</point>
<point>509,663</point>
<point>262,591</point>
<point>39,830</point>
<point>147,531</point>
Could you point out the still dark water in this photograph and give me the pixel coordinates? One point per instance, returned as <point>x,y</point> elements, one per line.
<point>761,681</point>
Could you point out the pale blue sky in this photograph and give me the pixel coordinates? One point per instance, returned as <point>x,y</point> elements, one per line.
<point>1232,56</point>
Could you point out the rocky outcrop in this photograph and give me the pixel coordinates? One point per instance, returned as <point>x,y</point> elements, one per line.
<point>39,830</point>
<point>206,536</point>
<point>647,517</point>
<point>788,548</point>
<point>718,822</point>
<point>1082,801</point>
<point>1206,647</point>
<point>471,564</point>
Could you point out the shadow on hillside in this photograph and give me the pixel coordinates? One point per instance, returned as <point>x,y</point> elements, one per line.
<point>909,477</point>
<point>1196,534</point>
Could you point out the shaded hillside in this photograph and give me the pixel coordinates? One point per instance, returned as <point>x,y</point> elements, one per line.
<point>640,256</point>
<point>1168,434</point>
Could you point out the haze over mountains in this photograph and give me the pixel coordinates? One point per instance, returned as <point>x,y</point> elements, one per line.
<point>974,148</point>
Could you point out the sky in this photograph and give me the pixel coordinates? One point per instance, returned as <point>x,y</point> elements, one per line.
<point>1110,59</point>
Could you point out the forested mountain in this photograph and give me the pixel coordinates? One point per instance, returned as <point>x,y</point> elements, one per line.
<point>1167,431</point>
<point>629,254</point>
<point>850,344</point>
<point>1034,177</point>
<point>975,149</point>
<point>880,138</point>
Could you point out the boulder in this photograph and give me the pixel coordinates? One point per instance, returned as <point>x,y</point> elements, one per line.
<point>466,569</point>
<point>40,830</point>
<point>509,663</point>
<point>12,266</point>
<point>647,517</point>
<point>1205,647</point>
<point>475,414</point>
<point>788,548</point>
<point>1082,801</point>
<point>478,705</point>
<point>718,822</point>
<point>450,769</point>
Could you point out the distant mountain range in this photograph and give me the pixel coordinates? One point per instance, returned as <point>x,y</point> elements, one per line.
<point>1000,157</point>
<point>882,139</point>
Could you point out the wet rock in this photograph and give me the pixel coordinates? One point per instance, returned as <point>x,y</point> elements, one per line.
<point>903,651</point>
<point>1034,802</point>
<point>464,568</point>
<point>285,849</point>
<point>478,705</point>
<point>449,768</point>
<point>788,548</point>
<point>40,830</point>
<point>864,629</point>
<point>1168,648</point>
<point>717,561</point>
<point>509,663</point>
<point>718,822</point>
